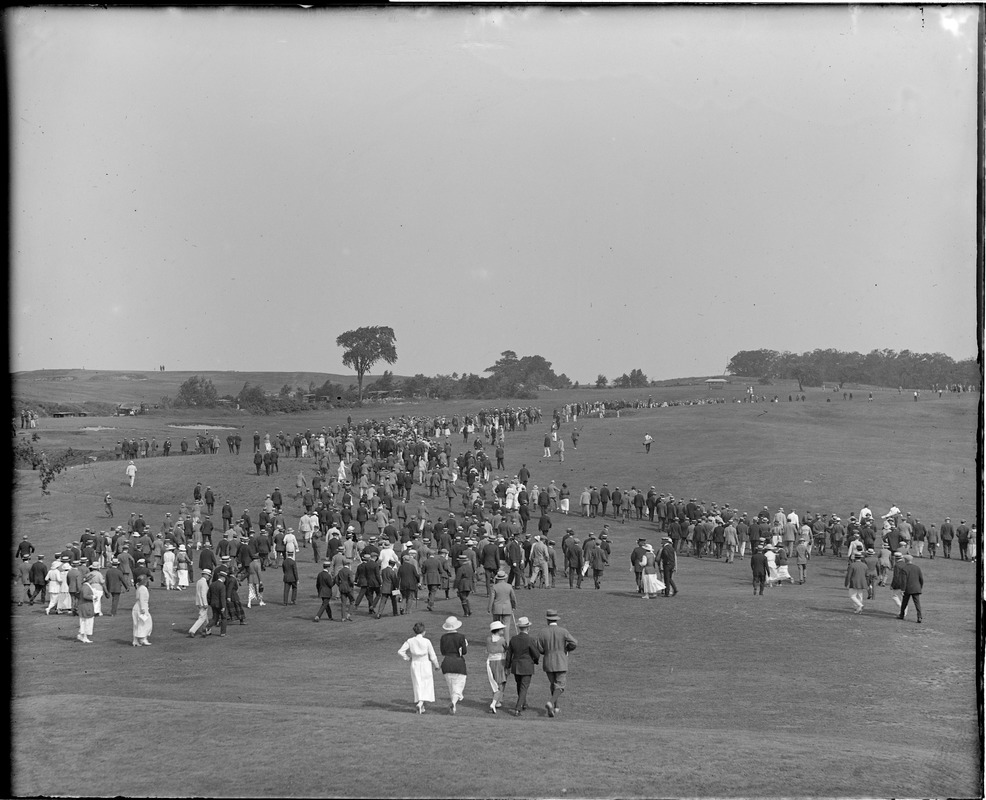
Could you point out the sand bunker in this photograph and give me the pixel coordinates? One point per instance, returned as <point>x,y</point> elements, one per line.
<point>204,427</point>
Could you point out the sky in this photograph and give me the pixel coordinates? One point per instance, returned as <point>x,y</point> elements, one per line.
<point>612,188</point>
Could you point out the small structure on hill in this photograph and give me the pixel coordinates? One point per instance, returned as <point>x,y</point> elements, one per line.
<point>716,383</point>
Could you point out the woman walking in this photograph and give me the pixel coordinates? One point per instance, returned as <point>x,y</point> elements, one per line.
<point>168,568</point>
<point>87,611</point>
<point>419,651</point>
<point>453,646</point>
<point>409,578</point>
<point>143,623</point>
<point>652,585</point>
<point>181,565</point>
<point>496,645</point>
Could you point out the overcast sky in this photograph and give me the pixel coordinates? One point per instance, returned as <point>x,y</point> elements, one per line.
<point>610,188</point>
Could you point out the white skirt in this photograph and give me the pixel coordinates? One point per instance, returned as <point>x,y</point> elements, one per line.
<point>422,680</point>
<point>652,584</point>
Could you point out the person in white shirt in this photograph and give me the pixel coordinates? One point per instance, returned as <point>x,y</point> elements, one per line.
<point>305,528</point>
<point>291,544</point>
<point>864,512</point>
<point>893,512</point>
<point>388,557</point>
<point>793,519</point>
<point>131,473</point>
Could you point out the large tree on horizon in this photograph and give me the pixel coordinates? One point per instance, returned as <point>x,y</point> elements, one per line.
<point>364,347</point>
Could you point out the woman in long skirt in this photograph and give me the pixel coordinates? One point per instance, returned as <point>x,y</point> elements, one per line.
<point>770,554</point>
<point>54,580</point>
<point>64,597</point>
<point>87,612</point>
<point>98,585</point>
<point>181,562</point>
<point>783,572</point>
<point>168,568</point>
<point>651,583</point>
<point>419,651</point>
<point>143,623</point>
<point>453,646</point>
<point>496,645</point>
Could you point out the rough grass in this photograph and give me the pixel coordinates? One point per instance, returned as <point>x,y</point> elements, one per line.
<point>712,693</point>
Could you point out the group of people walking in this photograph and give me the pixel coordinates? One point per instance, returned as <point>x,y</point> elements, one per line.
<point>516,655</point>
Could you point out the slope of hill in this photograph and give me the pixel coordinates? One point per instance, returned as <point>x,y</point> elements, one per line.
<point>105,386</point>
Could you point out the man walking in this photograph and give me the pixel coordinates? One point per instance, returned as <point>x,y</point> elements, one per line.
<point>667,560</point>
<point>913,587</point>
<point>946,533</point>
<point>290,569</point>
<point>638,569</point>
<point>856,581</point>
<point>554,643</point>
<point>502,600</point>
<point>521,657</point>
<point>201,603</point>
<point>323,586</point>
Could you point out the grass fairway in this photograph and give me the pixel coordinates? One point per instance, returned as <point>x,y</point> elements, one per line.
<point>712,693</point>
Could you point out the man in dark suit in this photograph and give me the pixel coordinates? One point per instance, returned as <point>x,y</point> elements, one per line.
<point>758,563</point>
<point>946,533</point>
<point>290,569</point>
<point>216,597</point>
<point>962,537</point>
<point>913,587</point>
<point>667,560</point>
<point>555,643</point>
<point>323,585</point>
<point>521,657</point>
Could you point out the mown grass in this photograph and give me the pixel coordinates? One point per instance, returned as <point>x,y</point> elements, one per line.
<point>712,693</point>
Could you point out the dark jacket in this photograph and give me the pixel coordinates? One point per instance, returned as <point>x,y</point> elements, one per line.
<point>217,595</point>
<point>522,655</point>
<point>453,646</point>
<point>323,584</point>
<point>758,563</point>
<point>464,577</point>
<point>913,579</point>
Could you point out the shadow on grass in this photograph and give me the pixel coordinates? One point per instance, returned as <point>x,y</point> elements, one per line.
<point>402,705</point>
<point>849,612</point>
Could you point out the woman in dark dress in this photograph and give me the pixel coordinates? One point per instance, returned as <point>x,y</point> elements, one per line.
<point>453,647</point>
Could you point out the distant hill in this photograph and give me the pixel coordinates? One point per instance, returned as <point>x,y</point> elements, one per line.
<point>106,386</point>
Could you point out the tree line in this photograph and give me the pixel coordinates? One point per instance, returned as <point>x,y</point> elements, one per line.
<point>935,371</point>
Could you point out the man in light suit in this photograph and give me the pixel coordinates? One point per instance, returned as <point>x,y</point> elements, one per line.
<point>555,643</point>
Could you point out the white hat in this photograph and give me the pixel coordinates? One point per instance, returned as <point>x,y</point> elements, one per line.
<point>452,624</point>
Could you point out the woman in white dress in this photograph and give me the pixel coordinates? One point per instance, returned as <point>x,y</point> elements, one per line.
<point>419,651</point>
<point>168,568</point>
<point>64,598</point>
<point>143,624</point>
<point>771,556</point>
<point>54,580</point>
<point>651,583</point>
<point>181,565</point>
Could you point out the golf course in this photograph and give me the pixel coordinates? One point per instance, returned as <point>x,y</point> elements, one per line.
<point>715,692</point>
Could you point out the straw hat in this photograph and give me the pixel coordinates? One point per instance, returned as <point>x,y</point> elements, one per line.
<point>452,624</point>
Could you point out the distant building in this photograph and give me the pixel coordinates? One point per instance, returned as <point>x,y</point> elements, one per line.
<point>716,383</point>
